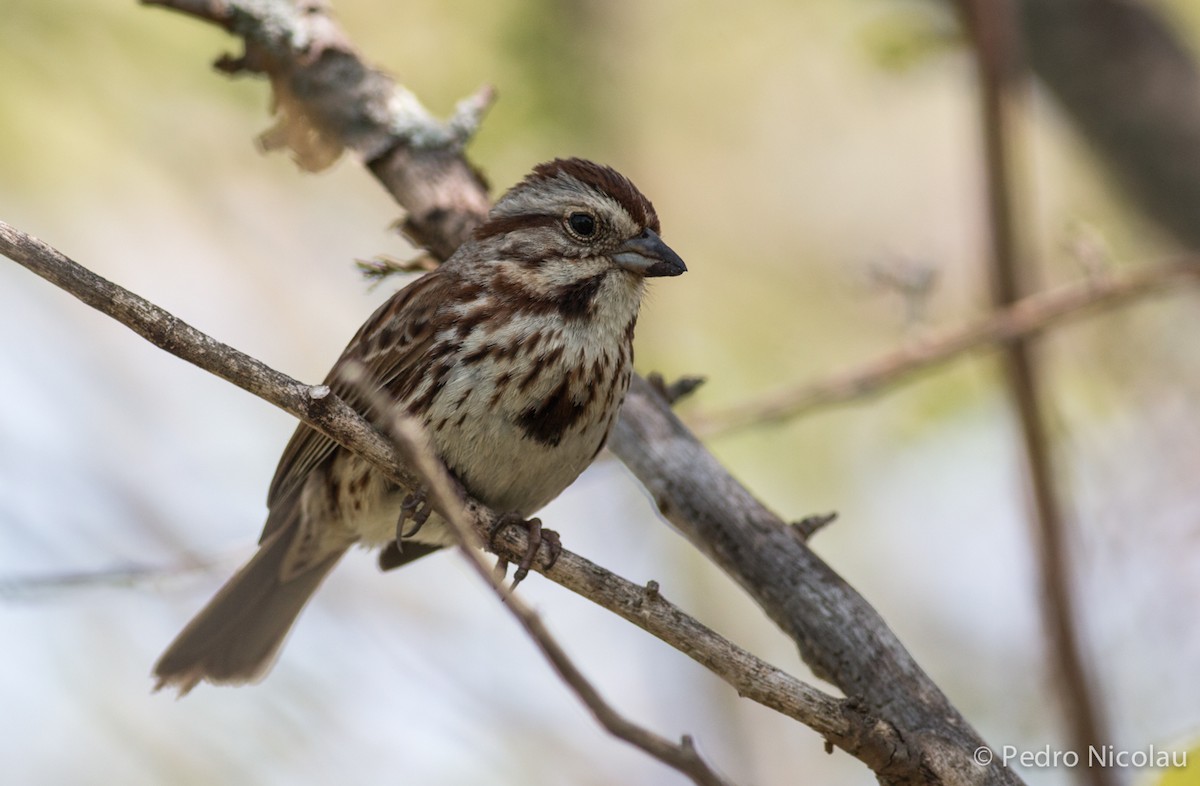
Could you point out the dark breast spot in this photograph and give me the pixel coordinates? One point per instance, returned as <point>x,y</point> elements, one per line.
<point>575,299</point>
<point>548,421</point>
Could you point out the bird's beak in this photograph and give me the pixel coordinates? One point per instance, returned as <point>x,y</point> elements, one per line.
<point>649,256</point>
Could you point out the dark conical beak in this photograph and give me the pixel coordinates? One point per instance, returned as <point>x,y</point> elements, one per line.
<point>648,255</point>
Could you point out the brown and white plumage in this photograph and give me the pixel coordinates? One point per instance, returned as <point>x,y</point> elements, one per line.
<point>516,354</point>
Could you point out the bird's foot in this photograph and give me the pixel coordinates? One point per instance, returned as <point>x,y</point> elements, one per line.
<point>414,508</point>
<point>537,536</point>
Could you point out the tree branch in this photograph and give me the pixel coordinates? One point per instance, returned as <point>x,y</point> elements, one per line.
<point>840,722</point>
<point>446,495</point>
<point>839,635</point>
<point>993,27</point>
<point>329,100</point>
<point>1025,319</point>
<point>1132,88</point>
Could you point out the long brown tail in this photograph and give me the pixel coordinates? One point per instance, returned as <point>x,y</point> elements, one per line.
<point>235,637</point>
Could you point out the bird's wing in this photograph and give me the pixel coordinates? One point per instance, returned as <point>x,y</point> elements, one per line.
<point>391,350</point>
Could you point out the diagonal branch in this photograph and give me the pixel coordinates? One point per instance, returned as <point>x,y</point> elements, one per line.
<point>446,496</point>
<point>329,100</point>
<point>842,723</point>
<point>1025,319</point>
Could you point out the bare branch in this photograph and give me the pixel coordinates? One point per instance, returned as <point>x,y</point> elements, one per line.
<point>36,587</point>
<point>1024,319</point>
<point>674,392</point>
<point>218,12</point>
<point>445,495</point>
<point>811,525</point>
<point>839,635</point>
<point>845,724</point>
<point>328,99</point>
<point>314,404</point>
<point>997,48</point>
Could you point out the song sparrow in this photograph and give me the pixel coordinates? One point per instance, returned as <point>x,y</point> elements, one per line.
<point>516,355</point>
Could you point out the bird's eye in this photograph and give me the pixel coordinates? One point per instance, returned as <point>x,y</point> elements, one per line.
<point>582,224</point>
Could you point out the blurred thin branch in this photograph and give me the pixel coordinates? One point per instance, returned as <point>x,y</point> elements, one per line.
<point>996,40</point>
<point>446,495</point>
<point>1024,319</point>
<point>49,585</point>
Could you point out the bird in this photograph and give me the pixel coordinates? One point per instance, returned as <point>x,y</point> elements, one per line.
<point>515,356</point>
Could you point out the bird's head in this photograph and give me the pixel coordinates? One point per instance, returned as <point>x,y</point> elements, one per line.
<point>571,219</point>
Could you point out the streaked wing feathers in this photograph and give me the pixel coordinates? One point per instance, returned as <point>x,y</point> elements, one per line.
<point>387,346</point>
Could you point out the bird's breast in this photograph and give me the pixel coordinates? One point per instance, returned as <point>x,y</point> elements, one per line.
<point>518,433</point>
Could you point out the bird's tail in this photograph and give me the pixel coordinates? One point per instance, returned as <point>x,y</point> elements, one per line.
<point>234,639</point>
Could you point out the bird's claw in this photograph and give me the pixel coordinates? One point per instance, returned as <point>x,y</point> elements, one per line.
<point>415,508</point>
<point>537,536</point>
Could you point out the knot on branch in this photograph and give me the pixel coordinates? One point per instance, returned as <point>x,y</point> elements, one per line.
<point>808,526</point>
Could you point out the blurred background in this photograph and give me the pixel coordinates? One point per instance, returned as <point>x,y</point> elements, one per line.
<point>803,158</point>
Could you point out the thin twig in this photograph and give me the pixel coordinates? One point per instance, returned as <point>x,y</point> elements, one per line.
<point>674,392</point>
<point>1024,319</point>
<point>40,586</point>
<point>413,442</point>
<point>383,266</point>
<point>316,405</point>
<point>994,29</point>
<point>845,724</point>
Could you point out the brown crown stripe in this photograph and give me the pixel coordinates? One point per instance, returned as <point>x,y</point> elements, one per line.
<point>531,344</point>
<point>603,179</point>
<point>462,399</point>
<point>477,355</point>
